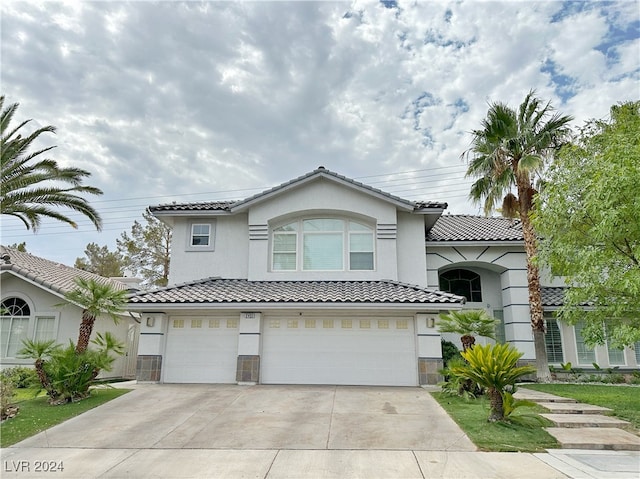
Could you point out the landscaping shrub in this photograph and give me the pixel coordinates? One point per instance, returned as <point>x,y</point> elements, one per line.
<point>20,376</point>
<point>6,396</point>
<point>449,351</point>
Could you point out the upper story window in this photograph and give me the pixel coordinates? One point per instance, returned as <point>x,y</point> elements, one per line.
<point>463,283</point>
<point>201,236</point>
<point>14,325</point>
<point>323,244</point>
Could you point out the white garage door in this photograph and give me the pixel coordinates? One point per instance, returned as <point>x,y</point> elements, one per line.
<point>339,350</point>
<point>201,350</point>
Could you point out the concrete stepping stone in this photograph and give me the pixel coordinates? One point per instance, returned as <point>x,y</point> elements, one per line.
<point>595,438</point>
<point>574,408</point>
<point>585,420</point>
<point>539,396</point>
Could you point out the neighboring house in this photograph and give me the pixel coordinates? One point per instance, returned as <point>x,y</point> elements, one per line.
<point>33,291</point>
<point>325,280</point>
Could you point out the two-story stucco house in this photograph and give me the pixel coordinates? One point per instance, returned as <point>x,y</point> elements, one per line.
<point>325,280</point>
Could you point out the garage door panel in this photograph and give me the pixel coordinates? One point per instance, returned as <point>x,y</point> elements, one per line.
<point>201,354</point>
<point>340,355</point>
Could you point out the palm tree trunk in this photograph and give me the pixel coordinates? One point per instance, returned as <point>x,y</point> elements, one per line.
<point>86,328</point>
<point>44,379</point>
<point>497,409</point>
<point>535,296</point>
<point>467,341</point>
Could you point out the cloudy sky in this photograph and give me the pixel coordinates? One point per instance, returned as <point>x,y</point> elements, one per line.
<point>196,101</point>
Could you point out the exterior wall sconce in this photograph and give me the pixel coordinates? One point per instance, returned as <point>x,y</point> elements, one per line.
<point>151,321</point>
<point>431,322</point>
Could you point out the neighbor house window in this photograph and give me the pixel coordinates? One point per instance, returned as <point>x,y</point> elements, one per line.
<point>45,328</point>
<point>323,244</point>
<point>14,326</point>
<point>586,355</point>
<point>463,283</point>
<point>553,341</point>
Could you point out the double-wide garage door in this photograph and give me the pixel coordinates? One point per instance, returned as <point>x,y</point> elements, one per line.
<point>339,350</point>
<point>201,350</point>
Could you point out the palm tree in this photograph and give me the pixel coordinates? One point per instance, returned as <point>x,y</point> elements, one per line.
<point>505,157</point>
<point>468,323</point>
<point>40,351</point>
<point>29,185</point>
<point>95,298</point>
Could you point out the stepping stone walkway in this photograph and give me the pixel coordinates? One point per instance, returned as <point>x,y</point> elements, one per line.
<point>583,426</point>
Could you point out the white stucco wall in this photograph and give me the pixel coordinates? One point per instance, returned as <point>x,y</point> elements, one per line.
<point>228,258</point>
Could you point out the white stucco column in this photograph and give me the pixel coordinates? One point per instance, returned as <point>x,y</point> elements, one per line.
<point>153,327</point>
<point>517,316</point>
<point>248,369</point>
<point>429,348</point>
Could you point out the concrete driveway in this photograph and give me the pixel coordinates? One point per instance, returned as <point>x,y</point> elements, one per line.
<point>263,417</point>
<point>267,432</point>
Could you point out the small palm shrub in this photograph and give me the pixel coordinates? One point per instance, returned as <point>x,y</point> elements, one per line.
<point>456,384</point>
<point>493,367</point>
<point>468,323</point>
<point>66,374</point>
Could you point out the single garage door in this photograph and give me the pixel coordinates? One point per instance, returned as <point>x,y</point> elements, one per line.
<point>339,350</point>
<point>201,350</point>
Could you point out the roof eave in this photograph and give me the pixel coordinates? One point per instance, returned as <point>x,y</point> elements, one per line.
<point>244,306</point>
<point>449,243</point>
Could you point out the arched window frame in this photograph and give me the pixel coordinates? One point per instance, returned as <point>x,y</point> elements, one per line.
<point>15,317</point>
<point>469,287</point>
<point>292,243</point>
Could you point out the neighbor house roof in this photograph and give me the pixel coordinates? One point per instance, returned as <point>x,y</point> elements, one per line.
<point>474,228</point>
<point>54,276</point>
<point>231,206</point>
<point>241,291</point>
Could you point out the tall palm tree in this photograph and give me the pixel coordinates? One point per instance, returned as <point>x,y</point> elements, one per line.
<point>506,156</point>
<point>30,186</point>
<point>95,298</point>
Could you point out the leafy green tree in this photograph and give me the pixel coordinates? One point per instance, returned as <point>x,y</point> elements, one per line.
<point>589,222</point>
<point>468,323</point>
<point>147,250</point>
<point>22,247</point>
<point>31,186</point>
<point>506,155</point>
<point>99,260</point>
<point>95,298</point>
<point>495,368</point>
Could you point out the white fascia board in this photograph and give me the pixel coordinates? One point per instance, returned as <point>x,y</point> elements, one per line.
<point>416,307</point>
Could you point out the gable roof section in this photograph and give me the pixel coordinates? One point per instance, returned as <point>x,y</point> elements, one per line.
<point>474,228</point>
<point>242,291</point>
<point>51,275</point>
<point>320,172</point>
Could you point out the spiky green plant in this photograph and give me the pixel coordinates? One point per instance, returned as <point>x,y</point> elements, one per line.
<point>495,368</point>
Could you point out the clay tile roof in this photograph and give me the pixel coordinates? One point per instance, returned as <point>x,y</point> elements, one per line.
<point>217,290</point>
<point>201,206</point>
<point>475,228</point>
<point>54,276</point>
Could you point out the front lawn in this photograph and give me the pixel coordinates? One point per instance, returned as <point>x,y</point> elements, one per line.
<point>36,414</point>
<point>624,401</point>
<point>472,416</point>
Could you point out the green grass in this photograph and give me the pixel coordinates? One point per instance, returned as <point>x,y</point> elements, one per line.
<point>623,400</point>
<point>36,414</point>
<point>472,416</point>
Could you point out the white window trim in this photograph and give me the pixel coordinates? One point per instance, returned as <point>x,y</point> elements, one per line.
<point>45,314</point>
<point>346,245</point>
<point>561,333</point>
<point>212,236</point>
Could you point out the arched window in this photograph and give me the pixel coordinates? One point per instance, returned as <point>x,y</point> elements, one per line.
<point>323,244</point>
<point>463,283</point>
<point>14,314</point>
